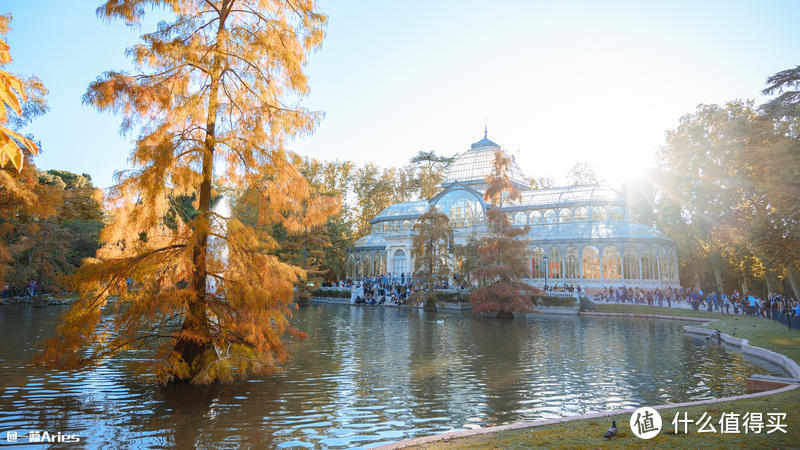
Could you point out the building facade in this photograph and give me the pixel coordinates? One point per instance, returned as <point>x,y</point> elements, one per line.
<point>578,235</point>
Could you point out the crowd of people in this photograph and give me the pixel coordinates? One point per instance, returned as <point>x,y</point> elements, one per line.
<point>773,307</point>
<point>396,290</point>
<point>30,290</point>
<point>379,289</point>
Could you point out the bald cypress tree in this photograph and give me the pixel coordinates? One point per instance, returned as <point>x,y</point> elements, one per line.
<point>212,100</point>
<point>431,254</point>
<point>503,254</point>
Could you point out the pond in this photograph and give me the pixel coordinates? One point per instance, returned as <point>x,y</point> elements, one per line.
<point>368,375</point>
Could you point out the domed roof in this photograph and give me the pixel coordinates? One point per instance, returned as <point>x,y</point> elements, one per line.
<point>474,165</point>
<point>485,142</point>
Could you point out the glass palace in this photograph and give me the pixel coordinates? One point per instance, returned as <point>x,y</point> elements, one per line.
<point>578,235</point>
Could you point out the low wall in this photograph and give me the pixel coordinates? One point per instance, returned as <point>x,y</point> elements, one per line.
<point>785,363</point>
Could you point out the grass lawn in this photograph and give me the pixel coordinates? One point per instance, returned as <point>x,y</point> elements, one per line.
<point>589,432</point>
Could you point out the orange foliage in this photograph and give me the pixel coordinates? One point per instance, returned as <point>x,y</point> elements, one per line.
<point>210,96</point>
<point>13,145</point>
<point>502,255</point>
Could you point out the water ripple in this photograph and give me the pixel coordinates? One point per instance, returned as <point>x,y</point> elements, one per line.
<point>367,376</point>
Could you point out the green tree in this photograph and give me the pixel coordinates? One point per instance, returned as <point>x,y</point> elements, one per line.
<point>430,173</point>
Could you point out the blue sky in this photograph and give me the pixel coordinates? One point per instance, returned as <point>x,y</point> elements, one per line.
<point>559,82</point>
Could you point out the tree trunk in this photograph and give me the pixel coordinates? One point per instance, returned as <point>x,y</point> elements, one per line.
<point>430,305</point>
<point>772,281</point>
<point>696,278</point>
<point>791,271</point>
<point>718,278</point>
<point>196,321</point>
<point>505,314</point>
<point>744,287</point>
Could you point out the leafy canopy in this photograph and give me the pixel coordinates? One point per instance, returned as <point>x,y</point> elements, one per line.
<point>215,97</point>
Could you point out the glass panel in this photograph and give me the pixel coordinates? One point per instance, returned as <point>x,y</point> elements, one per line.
<point>599,213</point>
<point>535,217</point>
<point>554,262</point>
<point>649,264</point>
<point>581,214</point>
<point>549,216</point>
<point>476,164</point>
<point>631,263</point>
<point>520,218</point>
<point>571,263</point>
<point>591,263</point>
<point>537,262</point>
<point>611,263</point>
<point>463,208</point>
<point>617,214</point>
<point>565,215</point>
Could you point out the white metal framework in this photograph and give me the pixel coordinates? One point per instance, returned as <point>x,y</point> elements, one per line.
<point>584,231</point>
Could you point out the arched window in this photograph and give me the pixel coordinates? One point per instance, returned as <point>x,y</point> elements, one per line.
<point>537,262</point>
<point>564,215</point>
<point>581,214</point>
<point>631,263</point>
<point>407,225</point>
<point>395,225</point>
<point>520,218</point>
<point>462,207</point>
<point>617,214</point>
<point>591,263</point>
<point>399,262</point>
<point>649,264</point>
<point>572,263</point>
<point>367,265</point>
<point>549,216</point>
<point>611,263</point>
<point>554,262</point>
<point>664,265</point>
<point>535,217</point>
<point>599,213</point>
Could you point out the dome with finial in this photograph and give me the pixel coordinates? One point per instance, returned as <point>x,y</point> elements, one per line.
<point>485,142</point>
<point>473,166</point>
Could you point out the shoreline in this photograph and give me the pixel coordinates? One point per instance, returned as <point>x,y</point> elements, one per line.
<point>38,302</point>
<point>786,364</point>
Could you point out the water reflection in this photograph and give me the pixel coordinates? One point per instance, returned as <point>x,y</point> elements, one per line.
<point>367,376</point>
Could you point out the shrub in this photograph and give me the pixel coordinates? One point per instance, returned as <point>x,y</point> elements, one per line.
<point>331,293</point>
<point>452,297</point>
<point>553,301</point>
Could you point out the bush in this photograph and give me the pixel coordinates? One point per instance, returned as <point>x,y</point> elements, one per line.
<point>586,304</point>
<point>553,301</point>
<point>452,297</point>
<point>331,293</point>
